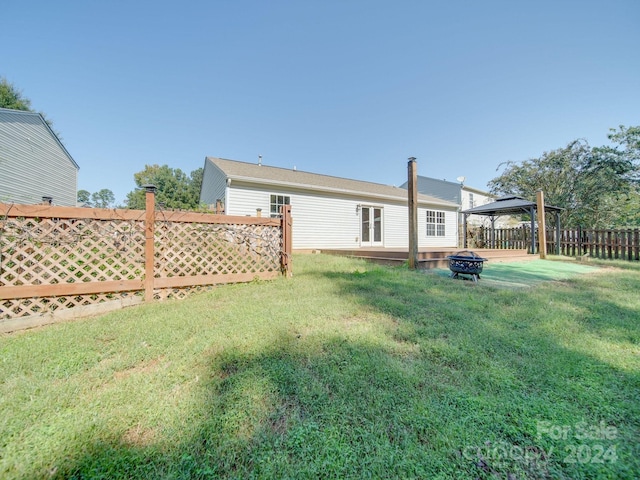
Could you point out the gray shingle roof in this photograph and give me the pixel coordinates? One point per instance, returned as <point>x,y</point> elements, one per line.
<point>508,206</point>
<point>252,172</point>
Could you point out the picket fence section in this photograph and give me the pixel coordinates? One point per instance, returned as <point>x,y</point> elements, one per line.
<point>622,244</point>
<point>64,262</point>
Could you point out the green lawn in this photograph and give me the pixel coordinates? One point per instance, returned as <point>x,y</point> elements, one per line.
<point>347,370</point>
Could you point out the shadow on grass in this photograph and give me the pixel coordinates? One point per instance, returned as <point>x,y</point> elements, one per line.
<point>306,409</point>
<point>462,381</point>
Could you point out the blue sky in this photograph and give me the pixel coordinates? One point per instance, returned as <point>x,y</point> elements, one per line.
<point>346,88</point>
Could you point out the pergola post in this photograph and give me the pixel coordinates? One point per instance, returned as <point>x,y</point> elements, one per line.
<point>558,233</point>
<point>493,231</point>
<point>542,227</point>
<point>464,230</point>
<point>533,229</point>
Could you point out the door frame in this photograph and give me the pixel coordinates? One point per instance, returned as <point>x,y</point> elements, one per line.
<point>371,225</point>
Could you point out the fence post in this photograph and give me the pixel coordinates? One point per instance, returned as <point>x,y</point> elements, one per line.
<point>286,260</point>
<point>579,241</point>
<point>149,234</point>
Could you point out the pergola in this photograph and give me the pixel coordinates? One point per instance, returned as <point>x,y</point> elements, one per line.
<point>512,206</point>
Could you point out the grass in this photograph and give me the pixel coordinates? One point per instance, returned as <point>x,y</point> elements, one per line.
<point>348,370</point>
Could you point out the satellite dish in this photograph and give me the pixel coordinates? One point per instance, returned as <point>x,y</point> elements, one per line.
<point>461,179</point>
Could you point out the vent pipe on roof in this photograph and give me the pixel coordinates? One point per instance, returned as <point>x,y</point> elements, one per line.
<point>259,160</point>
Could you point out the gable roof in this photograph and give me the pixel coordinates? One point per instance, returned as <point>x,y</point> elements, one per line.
<point>509,205</point>
<point>444,189</point>
<point>24,124</point>
<point>251,172</point>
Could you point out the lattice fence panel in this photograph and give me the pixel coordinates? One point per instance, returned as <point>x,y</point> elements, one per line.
<point>59,251</point>
<point>51,251</point>
<point>184,249</point>
<point>22,307</point>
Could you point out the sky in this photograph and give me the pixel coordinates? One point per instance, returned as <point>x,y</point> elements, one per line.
<point>348,88</point>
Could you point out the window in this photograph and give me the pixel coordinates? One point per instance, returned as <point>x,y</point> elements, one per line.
<point>435,224</point>
<point>472,203</point>
<point>278,201</point>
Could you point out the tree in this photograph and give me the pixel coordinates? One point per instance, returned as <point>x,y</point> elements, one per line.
<point>103,198</point>
<point>83,197</point>
<point>174,189</point>
<point>597,187</point>
<point>554,173</point>
<point>629,138</point>
<point>11,97</point>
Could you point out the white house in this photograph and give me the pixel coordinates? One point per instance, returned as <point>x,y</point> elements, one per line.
<point>33,162</point>
<point>328,212</point>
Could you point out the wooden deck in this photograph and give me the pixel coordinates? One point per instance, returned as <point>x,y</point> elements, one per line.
<point>429,257</point>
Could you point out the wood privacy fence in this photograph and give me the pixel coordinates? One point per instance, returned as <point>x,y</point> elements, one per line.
<point>66,262</point>
<point>623,244</point>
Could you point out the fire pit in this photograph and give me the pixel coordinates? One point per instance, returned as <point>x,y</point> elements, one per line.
<point>466,263</point>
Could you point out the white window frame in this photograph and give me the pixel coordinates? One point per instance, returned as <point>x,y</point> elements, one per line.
<point>275,202</point>
<point>435,223</point>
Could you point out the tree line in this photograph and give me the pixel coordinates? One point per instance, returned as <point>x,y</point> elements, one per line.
<point>598,187</point>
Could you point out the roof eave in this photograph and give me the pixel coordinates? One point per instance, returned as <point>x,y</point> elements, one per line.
<point>334,190</point>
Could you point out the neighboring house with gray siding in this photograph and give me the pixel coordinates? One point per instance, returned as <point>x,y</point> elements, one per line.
<point>466,197</point>
<point>328,212</point>
<point>33,162</point>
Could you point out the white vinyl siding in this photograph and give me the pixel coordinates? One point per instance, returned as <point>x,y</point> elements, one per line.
<point>318,221</point>
<point>396,221</point>
<point>321,221</point>
<point>450,227</point>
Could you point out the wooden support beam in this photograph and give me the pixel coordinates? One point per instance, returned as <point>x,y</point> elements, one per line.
<point>413,212</point>
<point>542,228</point>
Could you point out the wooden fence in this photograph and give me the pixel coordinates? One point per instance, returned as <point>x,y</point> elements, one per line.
<point>66,262</point>
<point>623,244</point>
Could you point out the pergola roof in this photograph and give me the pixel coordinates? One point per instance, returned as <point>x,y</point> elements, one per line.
<point>508,206</point>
